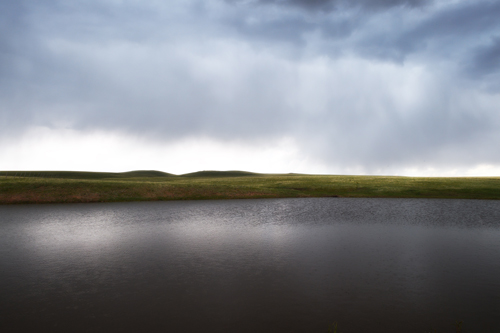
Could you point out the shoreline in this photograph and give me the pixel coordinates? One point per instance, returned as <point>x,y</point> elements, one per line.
<point>81,189</point>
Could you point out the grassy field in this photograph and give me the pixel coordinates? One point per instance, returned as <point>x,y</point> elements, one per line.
<point>68,186</point>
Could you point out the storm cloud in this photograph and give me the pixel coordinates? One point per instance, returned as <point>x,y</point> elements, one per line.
<point>359,85</point>
<point>330,5</point>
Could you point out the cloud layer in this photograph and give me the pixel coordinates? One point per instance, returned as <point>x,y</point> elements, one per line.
<point>359,85</point>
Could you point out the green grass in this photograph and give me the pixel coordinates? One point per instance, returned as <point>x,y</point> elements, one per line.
<point>69,186</point>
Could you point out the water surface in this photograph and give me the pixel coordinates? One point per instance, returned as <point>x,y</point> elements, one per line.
<point>280,265</point>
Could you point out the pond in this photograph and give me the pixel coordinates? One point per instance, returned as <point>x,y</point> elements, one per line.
<point>271,265</point>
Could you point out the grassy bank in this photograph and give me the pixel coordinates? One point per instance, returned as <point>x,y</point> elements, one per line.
<point>56,187</point>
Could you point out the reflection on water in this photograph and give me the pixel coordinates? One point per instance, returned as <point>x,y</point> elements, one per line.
<point>285,265</point>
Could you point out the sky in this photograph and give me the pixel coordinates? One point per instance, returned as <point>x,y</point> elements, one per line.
<point>377,87</point>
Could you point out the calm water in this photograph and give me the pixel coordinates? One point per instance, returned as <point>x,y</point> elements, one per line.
<point>286,265</point>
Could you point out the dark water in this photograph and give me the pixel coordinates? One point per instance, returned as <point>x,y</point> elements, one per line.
<point>287,265</point>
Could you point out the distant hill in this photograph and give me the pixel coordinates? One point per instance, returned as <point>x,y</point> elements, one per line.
<point>126,175</point>
<point>146,173</point>
<point>211,173</point>
<point>86,174</point>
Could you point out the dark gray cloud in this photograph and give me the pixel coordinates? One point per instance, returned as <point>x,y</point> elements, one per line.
<point>451,31</point>
<point>486,59</point>
<point>329,5</point>
<point>461,20</point>
<point>364,83</point>
<point>403,28</point>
